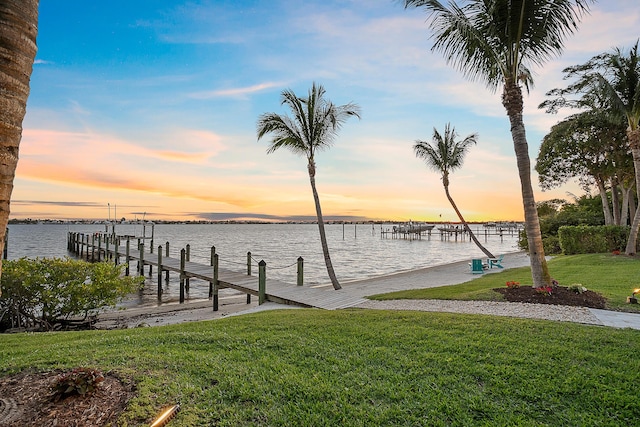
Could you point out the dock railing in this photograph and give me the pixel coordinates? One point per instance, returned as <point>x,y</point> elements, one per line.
<point>89,246</point>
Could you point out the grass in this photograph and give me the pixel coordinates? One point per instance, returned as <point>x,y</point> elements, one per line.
<point>613,276</point>
<point>358,368</point>
<point>371,368</point>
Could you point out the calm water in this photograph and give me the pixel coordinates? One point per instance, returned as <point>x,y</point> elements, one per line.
<point>357,251</point>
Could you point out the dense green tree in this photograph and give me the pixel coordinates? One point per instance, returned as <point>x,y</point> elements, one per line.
<point>445,154</point>
<point>589,147</point>
<point>314,126</point>
<point>18,30</point>
<point>610,81</point>
<point>496,41</point>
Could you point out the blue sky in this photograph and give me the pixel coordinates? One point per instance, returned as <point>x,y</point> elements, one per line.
<point>151,106</point>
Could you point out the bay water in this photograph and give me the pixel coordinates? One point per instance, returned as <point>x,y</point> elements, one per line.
<point>358,251</point>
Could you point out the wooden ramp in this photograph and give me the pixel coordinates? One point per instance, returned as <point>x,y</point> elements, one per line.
<point>275,290</point>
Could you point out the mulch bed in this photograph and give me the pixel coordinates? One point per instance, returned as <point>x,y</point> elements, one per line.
<point>560,295</point>
<point>26,400</point>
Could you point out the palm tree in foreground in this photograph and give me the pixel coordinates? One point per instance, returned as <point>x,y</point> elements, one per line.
<point>18,30</point>
<point>445,155</point>
<point>314,126</point>
<point>494,41</point>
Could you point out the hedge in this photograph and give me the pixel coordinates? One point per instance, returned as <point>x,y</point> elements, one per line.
<point>584,239</point>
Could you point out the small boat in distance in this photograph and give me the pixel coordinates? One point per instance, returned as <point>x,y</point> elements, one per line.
<point>411,227</point>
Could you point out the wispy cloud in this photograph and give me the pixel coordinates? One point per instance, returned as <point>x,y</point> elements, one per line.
<point>73,147</point>
<point>55,203</point>
<point>235,92</point>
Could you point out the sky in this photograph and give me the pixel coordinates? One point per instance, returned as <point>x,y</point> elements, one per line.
<point>148,108</point>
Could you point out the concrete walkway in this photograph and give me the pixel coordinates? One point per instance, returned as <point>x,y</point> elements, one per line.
<point>449,274</point>
<point>459,272</point>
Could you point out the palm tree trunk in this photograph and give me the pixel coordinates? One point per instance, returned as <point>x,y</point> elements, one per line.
<point>632,204</point>
<point>608,218</point>
<point>465,225</point>
<point>624,211</point>
<point>512,101</point>
<point>615,201</point>
<point>18,30</point>
<point>634,142</point>
<point>323,235</point>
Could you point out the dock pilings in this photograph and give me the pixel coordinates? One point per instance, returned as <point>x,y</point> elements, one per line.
<point>90,246</point>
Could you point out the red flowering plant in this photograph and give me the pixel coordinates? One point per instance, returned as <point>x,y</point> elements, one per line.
<point>513,285</point>
<point>544,290</point>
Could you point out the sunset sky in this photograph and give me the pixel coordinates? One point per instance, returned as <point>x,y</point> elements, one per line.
<point>149,107</point>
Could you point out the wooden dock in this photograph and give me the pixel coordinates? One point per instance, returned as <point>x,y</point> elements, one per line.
<point>98,247</point>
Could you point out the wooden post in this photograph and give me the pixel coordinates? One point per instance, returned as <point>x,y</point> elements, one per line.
<point>300,271</point>
<point>126,257</point>
<point>167,272</point>
<point>99,246</point>
<point>182,258</point>
<point>160,272</point>
<point>249,273</point>
<point>6,243</point>
<point>116,255</point>
<point>141,249</point>
<point>213,253</point>
<point>153,226</point>
<point>215,281</point>
<point>93,247</point>
<point>187,259</point>
<point>262,281</point>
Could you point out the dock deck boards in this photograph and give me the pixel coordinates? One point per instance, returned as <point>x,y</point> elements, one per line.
<point>276,291</point>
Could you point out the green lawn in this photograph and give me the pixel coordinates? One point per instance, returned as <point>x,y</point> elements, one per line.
<point>613,276</point>
<point>358,368</point>
<point>372,368</point>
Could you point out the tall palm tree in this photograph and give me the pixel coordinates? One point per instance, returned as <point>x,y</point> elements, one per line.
<point>18,30</point>
<point>445,155</point>
<point>314,126</point>
<point>494,41</point>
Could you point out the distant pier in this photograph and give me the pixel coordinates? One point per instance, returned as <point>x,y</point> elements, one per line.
<point>455,232</point>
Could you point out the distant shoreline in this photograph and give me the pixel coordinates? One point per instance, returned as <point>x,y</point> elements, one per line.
<point>200,222</point>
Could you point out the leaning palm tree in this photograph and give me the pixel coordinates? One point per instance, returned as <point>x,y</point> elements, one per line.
<point>314,126</point>
<point>445,155</point>
<point>18,30</point>
<point>494,41</point>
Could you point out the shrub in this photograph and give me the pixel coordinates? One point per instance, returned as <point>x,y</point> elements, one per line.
<point>45,293</point>
<point>587,239</point>
<point>577,288</point>
<point>551,245</point>
<point>78,381</point>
